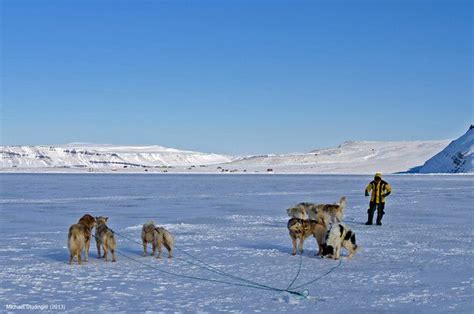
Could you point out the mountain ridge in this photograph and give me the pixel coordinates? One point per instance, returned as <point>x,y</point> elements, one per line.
<point>350,157</point>
<point>102,155</point>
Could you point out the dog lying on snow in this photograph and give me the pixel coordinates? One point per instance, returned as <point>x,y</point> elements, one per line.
<point>104,238</point>
<point>79,238</point>
<point>339,236</point>
<point>157,237</point>
<point>310,210</point>
<point>300,229</point>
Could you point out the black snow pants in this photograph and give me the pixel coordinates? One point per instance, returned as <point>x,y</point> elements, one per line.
<point>380,212</point>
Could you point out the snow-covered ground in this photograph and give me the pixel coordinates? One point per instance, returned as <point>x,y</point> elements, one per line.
<point>420,260</point>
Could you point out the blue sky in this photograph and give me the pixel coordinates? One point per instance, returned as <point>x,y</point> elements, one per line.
<point>235,76</point>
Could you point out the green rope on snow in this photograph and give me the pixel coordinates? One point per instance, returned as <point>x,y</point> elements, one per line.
<point>320,277</point>
<point>207,266</point>
<point>251,284</point>
<point>297,273</point>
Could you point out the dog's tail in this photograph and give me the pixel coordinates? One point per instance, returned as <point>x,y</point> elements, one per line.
<point>342,203</point>
<point>168,242</point>
<point>76,242</point>
<point>110,241</point>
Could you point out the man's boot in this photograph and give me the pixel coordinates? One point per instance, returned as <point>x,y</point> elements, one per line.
<point>370,217</point>
<point>379,217</point>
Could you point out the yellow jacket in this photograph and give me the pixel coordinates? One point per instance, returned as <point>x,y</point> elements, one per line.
<point>379,189</point>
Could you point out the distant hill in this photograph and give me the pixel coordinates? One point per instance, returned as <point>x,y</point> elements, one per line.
<point>349,158</point>
<point>364,157</point>
<point>102,156</point>
<point>457,157</point>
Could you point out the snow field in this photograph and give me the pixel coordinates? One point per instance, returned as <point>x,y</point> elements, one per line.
<point>419,260</point>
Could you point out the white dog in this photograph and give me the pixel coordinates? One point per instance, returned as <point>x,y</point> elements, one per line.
<point>338,236</point>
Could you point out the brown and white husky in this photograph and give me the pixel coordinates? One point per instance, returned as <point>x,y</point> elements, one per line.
<point>158,237</point>
<point>300,229</point>
<point>79,238</point>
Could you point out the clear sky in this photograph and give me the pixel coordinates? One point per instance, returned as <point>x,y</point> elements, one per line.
<point>235,77</point>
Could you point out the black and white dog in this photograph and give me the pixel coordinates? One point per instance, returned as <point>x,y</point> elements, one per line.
<point>337,237</point>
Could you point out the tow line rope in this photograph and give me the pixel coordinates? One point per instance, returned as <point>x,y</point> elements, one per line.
<point>297,273</point>
<point>254,285</point>
<point>320,277</point>
<point>206,265</point>
<point>246,282</point>
<point>249,283</point>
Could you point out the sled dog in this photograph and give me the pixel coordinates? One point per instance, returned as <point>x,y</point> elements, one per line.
<point>104,238</point>
<point>79,238</point>
<point>298,211</point>
<point>300,229</point>
<point>158,237</point>
<point>337,237</point>
<point>336,211</point>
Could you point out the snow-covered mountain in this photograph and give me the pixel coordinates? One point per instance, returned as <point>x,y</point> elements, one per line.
<point>102,156</point>
<point>348,158</point>
<point>457,157</point>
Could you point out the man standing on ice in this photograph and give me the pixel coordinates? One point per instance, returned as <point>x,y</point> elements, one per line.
<point>380,190</point>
